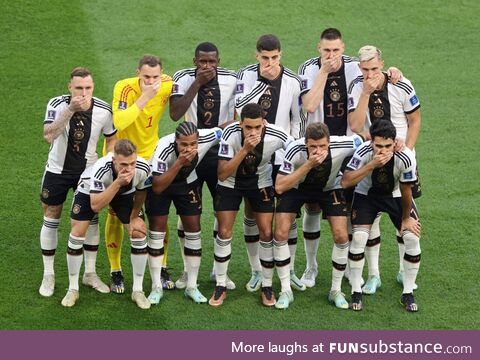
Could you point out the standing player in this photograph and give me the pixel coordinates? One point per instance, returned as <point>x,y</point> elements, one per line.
<point>138,105</point>
<point>175,179</point>
<point>278,90</point>
<point>118,180</point>
<point>383,179</point>
<point>244,170</point>
<point>309,173</point>
<point>327,78</point>
<point>372,97</point>
<point>73,124</point>
<point>205,95</point>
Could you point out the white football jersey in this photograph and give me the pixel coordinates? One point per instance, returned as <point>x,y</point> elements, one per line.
<point>326,176</point>
<point>386,179</point>
<point>333,108</point>
<point>76,147</point>
<point>214,103</point>
<point>255,171</point>
<point>391,103</point>
<point>101,175</point>
<point>166,155</point>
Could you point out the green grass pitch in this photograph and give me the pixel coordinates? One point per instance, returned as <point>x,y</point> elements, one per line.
<point>434,43</point>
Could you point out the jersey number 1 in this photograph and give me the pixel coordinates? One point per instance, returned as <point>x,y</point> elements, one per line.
<point>150,118</point>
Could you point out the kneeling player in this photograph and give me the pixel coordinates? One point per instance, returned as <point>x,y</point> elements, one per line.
<point>118,180</point>
<point>175,179</point>
<point>309,174</point>
<point>244,170</point>
<point>383,180</point>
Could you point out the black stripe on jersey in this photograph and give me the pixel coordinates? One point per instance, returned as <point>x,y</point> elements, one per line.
<point>59,100</point>
<point>405,159</point>
<point>276,133</point>
<point>143,166</point>
<point>303,123</point>
<point>306,64</point>
<point>166,152</point>
<point>291,74</point>
<point>102,104</point>
<point>342,145</point>
<point>413,110</point>
<point>368,148</point>
<point>260,88</point>
<point>111,134</point>
<point>230,131</point>
<point>404,87</point>
<point>349,59</point>
<point>355,81</point>
<point>294,150</point>
<point>104,169</point>
<point>179,74</point>
<point>207,138</point>
<point>223,71</point>
<point>252,67</point>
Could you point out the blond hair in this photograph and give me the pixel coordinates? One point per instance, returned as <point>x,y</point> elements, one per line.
<point>369,52</point>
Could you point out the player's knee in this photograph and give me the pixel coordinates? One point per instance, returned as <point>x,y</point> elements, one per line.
<point>53,211</point>
<point>412,243</point>
<point>359,240</point>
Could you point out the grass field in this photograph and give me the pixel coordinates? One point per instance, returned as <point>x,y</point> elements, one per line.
<point>435,43</point>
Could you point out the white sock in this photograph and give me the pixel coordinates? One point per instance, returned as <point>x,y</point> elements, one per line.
<point>90,247</point>
<point>48,243</point>
<point>401,251</point>
<point>139,258</point>
<point>356,257</point>
<point>411,261</point>
<point>193,256</point>
<point>268,264</point>
<point>181,239</point>
<point>223,252</point>
<point>155,256</point>
<point>74,260</point>
<point>339,263</point>
<point>251,234</point>
<point>311,237</point>
<point>281,255</point>
<point>292,244</point>
<point>372,250</point>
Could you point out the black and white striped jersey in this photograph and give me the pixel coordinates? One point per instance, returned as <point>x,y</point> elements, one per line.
<point>97,178</point>
<point>255,171</point>
<point>76,147</point>
<point>166,154</point>
<point>392,103</point>
<point>324,177</point>
<point>214,103</point>
<point>333,108</point>
<point>384,181</point>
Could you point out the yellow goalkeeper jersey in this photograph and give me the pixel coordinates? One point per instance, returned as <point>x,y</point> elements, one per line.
<point>140,127</point>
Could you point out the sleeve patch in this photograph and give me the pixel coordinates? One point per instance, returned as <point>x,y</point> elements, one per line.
<point>175,89</point>
<point>354,163</point>
<point>224,149</point>
<point>303,84</point>
<point>51,114</point>
<point>239,89</point>
<point>413,100</point>
<point>98,185</point>
<point>408,175</point>
<point>161,167</point>
<point>122,105</point>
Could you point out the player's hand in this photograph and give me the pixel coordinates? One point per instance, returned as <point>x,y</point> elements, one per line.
<point>125,176</point>
<point>186,156</point>
<point>79,103</point>
<point>381,159</point>
<point>412,225</point>
<point>205,75</point>
<point>370,84</point>
<point>399,145</point>
<point>317,158</point>
<point>269,72</point>
<point>251,142</point>
<point>137,228</point>
<point>330,65</point>
<point>150,91</point>
<point>394,74</point>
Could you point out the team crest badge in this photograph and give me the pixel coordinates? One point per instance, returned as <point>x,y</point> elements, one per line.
<point>378,113</point>
<point>76,208</point>
<point>45,194</point>
<point>354,214</point>
<point>334,95</point>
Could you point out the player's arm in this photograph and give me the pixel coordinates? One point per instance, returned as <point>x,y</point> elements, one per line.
<point>353,176</point>
<point>163,181</point>
<point>137,227</point>
<point>53,130</point>
<point>312,99</point>
<point>110,142</point>
<point>286,182</point>
<point>100,200</point>
<point>357,117</point>
<point>227,167</point>
<point>408,223</point>
<point>414,123</point>
<point>125,114</point>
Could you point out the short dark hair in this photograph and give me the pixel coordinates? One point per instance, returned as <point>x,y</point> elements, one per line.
<point>186,128</point>
<point>206,47</point>
<point>331,34</point>
<point>268,42</point>
<point>317,131</point>
<point>383,128</point>
<point>81,72</point>
<point>251,111</point>
<point>150,60</point>
<point>124,147</point>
